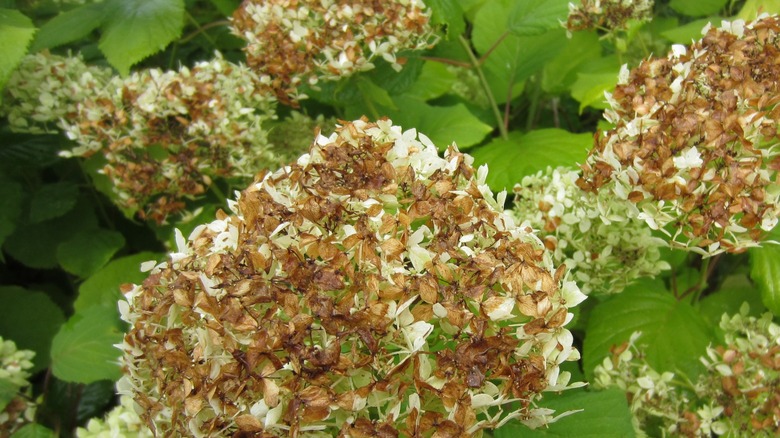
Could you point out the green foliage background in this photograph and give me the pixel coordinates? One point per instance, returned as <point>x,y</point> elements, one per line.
<point>66,249</point>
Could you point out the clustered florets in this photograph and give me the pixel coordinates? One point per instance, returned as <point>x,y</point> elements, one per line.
<point>694,146</point>
<point>591,233</point>
<point>741,386</point>
<point>298,42</point>
<point>121,422</point>
<point>14,366</point>
<point>372,287</point>
<point>166,134</point>
<point>607,15</point>
<point>47,88</point>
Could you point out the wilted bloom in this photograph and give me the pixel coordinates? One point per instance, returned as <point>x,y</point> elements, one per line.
<point>46,88</point>
<point>297,42</point>
<point>166,134</point>
<point>738,395</point>
<point>121,422</point>
<point>14,366</point>
<point>607,14</point>
<point>590,232</point>
<point>370,288</point>
<point>694,146</point>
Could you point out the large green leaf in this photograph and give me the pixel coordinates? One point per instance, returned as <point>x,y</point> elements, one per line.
<point>34,430</point>
<point>603,414</point>
<point>734,291</point>
<point>102,288</point>
<point>698,8</point>
<point>765,271</point>
<point>16,32</point>
<point>434,80</point>
<point>690,31</point>
<point>69,26</point>
<point>752,8</point>
<point>534,17</point>
<point>30,319</point>
<point>589,88</point>
<point>35,245</point>
<point>86,252</point>
<point>560,73</point>
<point>449,14</point>
<point>442,124</point>
<point>83,350</point>
<point>674,334</point>
<point>135,29</point>
<point>525,154</point>
<point>53,200</point>
<point>226,7</point>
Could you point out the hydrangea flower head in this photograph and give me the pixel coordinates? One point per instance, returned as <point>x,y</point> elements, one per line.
<point>695,143</point>
<point>296,42</point>
<point>607,14</point>
<point>14,373</point>
<point>166,134</point>
<point>371,288</point>
<point>590,232</point>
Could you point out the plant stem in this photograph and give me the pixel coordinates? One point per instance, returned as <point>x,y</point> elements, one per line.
<point>476,65</point>
<point>200,29</point>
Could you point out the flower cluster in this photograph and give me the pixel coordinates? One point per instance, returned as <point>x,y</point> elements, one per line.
<point>370,288</point>
<point>694,146</point>
<point>13,371</point>
<point>590,232</point>
<point>741,387</point>
<point>166,134</point>
<point>607,14</point>
<point>121,422</point>
<point>46,88</point>
<point>297,42</point>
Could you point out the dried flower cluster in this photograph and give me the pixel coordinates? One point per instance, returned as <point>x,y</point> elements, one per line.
<point>166,134</point>
<point>370,289</point>
<point>590,232</point>
<point>694,143</point>
<point>121,422</point>
<point>298,42</point>
<point>46,88</point>
<point>607,14</point>
<point>14,366</point>
<point>739,395</point>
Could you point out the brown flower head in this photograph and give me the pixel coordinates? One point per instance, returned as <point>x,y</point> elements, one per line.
<point>607,14</point>
<point>694,146</point>
<point>371,288</point>
<point>295,42</point>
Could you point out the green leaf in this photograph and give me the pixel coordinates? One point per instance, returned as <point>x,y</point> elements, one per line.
<point>34,430</point>
<point>53,200</point>
<point>86,252</point>
<point>449,14</point>
<point>69,26</point>
<point>534,17</point>
<point>93,399</point>
<point>135,29</point>
<point>11,195</point>
<point>434,81</point>
<point>83,350</point>
<point>690,31</point>
<point>698,8</point>
<point>35,245</point>
<point>102,288</point>
<point>604,414</point>
<point>526,154</point>
<point>374,94</point>
<point>30,319</point>
<point>765,271</point>
<point>442,124</point>
<point>394,82</point>
<point>752,8</point>
<point>226,7</point>
<point>16,31</point>
<point>675,335</point>
<point>7,393</point>
<point>734,291</point>
<point>560,73</point>
<point>589,88</point>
